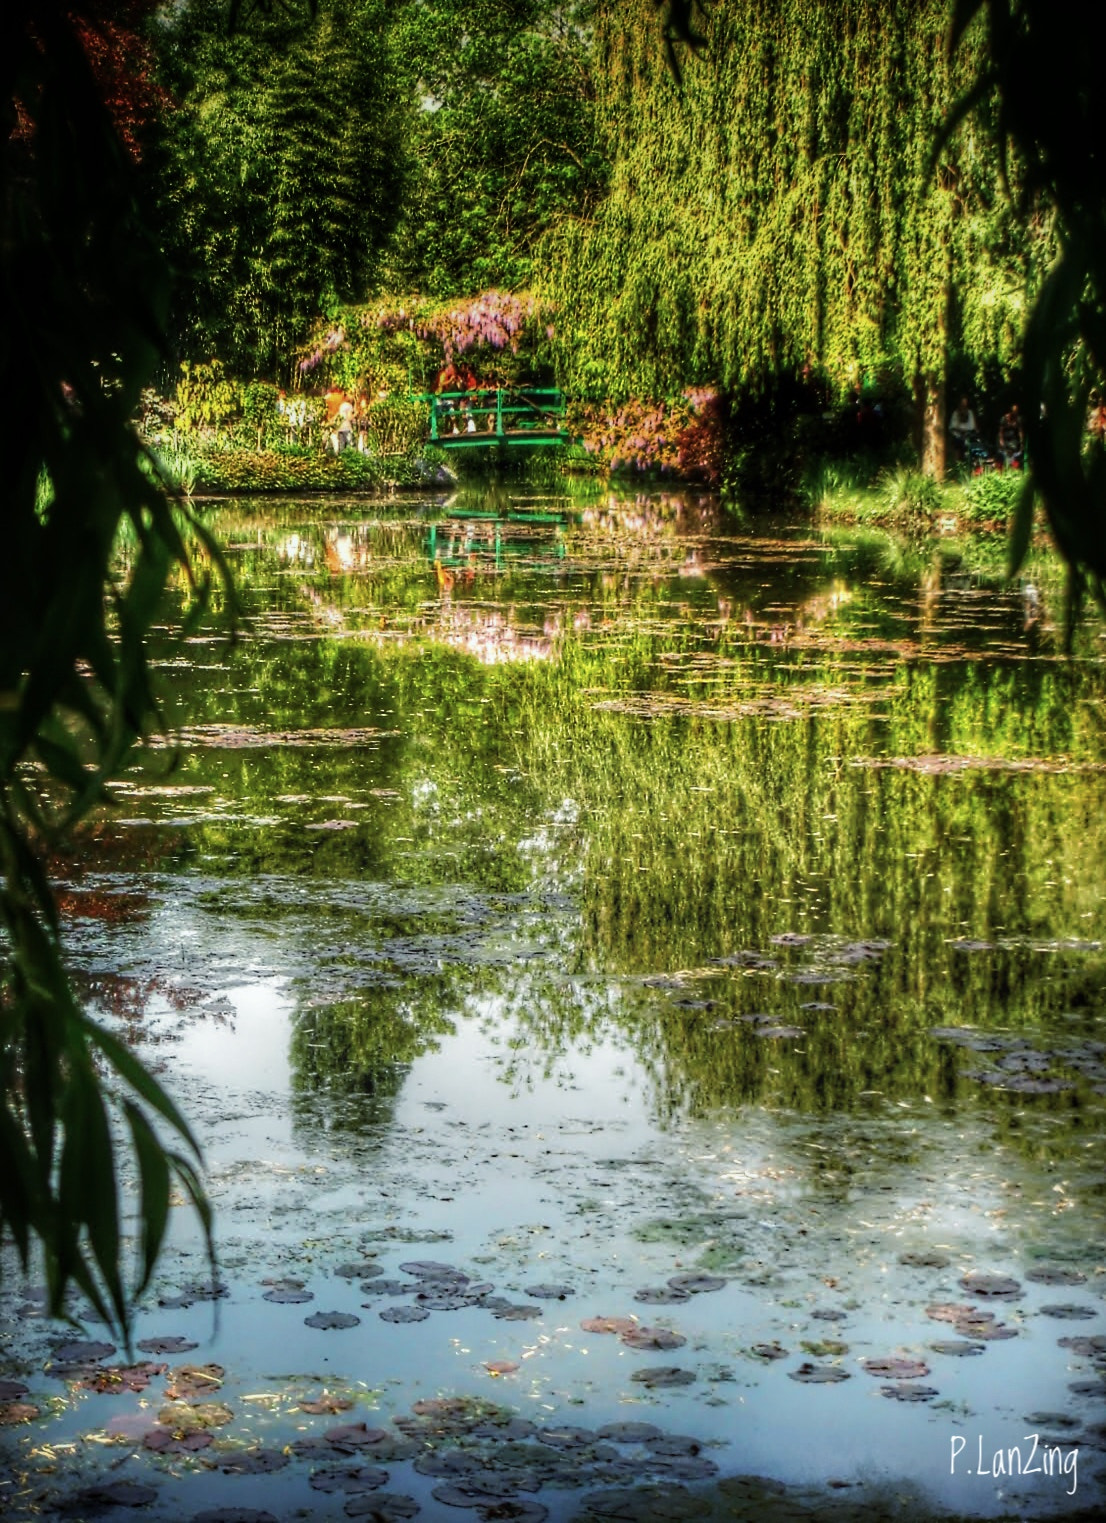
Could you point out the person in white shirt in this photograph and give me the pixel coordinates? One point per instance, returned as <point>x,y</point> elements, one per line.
<point>962,427</point>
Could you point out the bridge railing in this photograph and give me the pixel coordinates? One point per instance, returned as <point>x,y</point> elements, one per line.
<point>504,413</point>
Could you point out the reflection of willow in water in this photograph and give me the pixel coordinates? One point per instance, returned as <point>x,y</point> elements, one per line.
<point>768,748</point>
<point>349,1058</point>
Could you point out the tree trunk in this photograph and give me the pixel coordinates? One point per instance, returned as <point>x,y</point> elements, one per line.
<point>932,438</point>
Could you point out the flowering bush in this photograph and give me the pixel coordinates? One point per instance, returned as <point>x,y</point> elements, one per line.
<point>681,437</point>
<point>409,339</point>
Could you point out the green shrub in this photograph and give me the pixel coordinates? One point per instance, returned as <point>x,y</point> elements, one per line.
<point>207,400</point>
<point>909,494</point>
<point>287,471</point>
<point>992,496</point>
<point>292,470</point>
<point>396,425</point>
<point>177,466</point>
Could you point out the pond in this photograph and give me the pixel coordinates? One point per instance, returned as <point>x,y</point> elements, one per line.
<point>639,984</point>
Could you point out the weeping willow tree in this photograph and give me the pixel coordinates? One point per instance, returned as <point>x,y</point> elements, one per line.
<point>779,209</point>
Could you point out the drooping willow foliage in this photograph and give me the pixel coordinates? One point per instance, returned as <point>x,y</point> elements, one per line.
<point>784,208</point>
<point>1042,81</point>
<point>82,302</point>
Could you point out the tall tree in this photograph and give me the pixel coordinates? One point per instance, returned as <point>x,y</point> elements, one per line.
<point>1038,90</point>
<point>503,143</point>
<point>280,169</point>
<point>782,210</point>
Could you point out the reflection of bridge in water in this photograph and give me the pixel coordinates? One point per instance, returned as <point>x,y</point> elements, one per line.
<point>488,541</point>
<point>522,417</point>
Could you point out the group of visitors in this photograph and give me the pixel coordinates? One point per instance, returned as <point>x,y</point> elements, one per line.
<point>347,418</point>
<point>968,441</point>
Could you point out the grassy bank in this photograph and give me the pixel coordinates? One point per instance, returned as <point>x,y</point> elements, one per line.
<point>902,498</point>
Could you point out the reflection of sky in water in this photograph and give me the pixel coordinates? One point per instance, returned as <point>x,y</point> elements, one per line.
<point>566,1113</point>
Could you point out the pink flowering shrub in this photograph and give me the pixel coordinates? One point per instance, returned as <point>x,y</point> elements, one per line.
<point>680,438</point>
<point>499,332</point>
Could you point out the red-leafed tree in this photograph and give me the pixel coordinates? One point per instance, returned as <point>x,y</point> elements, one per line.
<point>111,32</point>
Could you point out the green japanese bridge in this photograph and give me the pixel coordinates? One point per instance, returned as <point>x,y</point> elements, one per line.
<point>516,417</point>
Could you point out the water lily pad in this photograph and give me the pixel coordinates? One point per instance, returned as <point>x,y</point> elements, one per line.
<point>565,1436</point>
<point>828,1314</point>
<point>364,1269</point>
<point>163,1441</point>
<point>824,1348</point>
<point>819,1374</point>
<point>1055,1274</point>
<point>662,1376</point>
<point>287,1295</point>
<point>895,1369</point>
<point>954,1311</point>
<point>404,1314</point>
<point>115,1379</point>
<point>681,1468</point>
<point>697,1284</point>
<point>663,1503</point>
<point>985,1329</point>
<point>481,1490</point>
<point>993,1286</point>
<point>426,1269</point>
<point>449,1462</point>
<point>234,1515</point>
<point>95,1499</point>
<point>390,1287</point>
<point>504,1427</point>
<point>355,1435</point>
<point>769,1351</point>
<point>781,1033</point>
<point>1093,1388</point>
<point>550,1292</point>
<point>326,1403</point>
<point>11,1389</point>
<point>661,1295</point>
<point>630,1432</point>
<point>441,1299</point>
<point>907,1391</point>
<point>187,1417</point>
<point>653,1338</point>
<point>14,1412</point>
<point>501,1366</point>
<point>924,1258</point>
<point>329,1320</point>
<point>960,1348</point>
<point>81,1351</point>
<point>195,1380</point>
<point>609,1324</point>
<point>1054,1420</point>
<point>674,1445</point>
<point>166,1345</point>
<point>517,1313</point>
<point>1089,1347</point>
<point>1069,1313</point>
<point>204,1290</point>
<point>382,1507</point>
<point>351,1478</point>
<point>513,1510</point>
<point>254,1462</point>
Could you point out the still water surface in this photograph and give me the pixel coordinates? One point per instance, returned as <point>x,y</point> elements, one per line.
<point>582,897</point>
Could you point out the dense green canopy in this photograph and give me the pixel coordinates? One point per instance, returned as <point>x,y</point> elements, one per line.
<point>784,209</point>
<point>278,170</point>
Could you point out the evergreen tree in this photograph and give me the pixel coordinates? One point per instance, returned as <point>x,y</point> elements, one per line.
<point>281,170</point>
